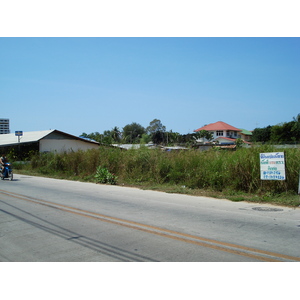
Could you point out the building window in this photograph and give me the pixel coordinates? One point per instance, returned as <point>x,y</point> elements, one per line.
<point>219,132</point>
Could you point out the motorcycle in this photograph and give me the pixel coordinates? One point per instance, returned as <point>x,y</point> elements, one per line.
<point>7,172</point>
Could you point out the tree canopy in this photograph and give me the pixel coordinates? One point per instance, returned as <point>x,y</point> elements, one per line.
<point>156,130</point>
<point>287,132</point>
<point>132,133</point>
<point>155,126</point>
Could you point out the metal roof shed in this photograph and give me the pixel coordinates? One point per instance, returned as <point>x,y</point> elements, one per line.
<point>47,141</point>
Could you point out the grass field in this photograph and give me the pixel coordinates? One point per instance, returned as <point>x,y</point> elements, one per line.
<point>233,175</point>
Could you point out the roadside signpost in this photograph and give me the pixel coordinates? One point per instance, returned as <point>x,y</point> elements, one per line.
<point>272,166</point>
<point>19,134</point>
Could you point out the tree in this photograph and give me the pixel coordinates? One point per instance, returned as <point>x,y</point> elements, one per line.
<point>157,132</point>
<point>188,139</point>
<point>155,126</point>
<point>95,136</point>
<point>146,138</point>
<point>297,119</point>
<point>116,134</point>
<point>261,134</point>
<point>296,128</point>
<point>204,134</point>
<point>84,135</point>
<point>191,138</point>
<point>172,137</point>
<point>107,137</point>
<point>132,133</point>
<point>281,133</point>
<point>286,132</point>
<point>239,142</point>
<point>158,137</point>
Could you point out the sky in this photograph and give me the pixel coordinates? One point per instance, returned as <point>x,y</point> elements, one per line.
<point>84,84</point>
<point>88,68</point>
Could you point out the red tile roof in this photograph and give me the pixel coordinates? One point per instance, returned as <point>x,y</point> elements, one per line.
<point>218,126</point>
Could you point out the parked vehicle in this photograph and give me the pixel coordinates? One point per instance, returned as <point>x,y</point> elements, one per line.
<point>7,172</point>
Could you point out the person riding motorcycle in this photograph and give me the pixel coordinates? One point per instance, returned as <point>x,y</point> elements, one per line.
<point>3,161</point>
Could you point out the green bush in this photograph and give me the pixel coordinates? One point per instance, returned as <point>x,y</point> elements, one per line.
<point>104,176</point>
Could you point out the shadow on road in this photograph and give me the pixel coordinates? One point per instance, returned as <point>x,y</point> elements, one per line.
<point>64,233</point>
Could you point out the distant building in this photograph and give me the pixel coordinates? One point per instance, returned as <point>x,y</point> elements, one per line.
<point>245,135</point>
<point>4,126</point>
<point>224,133</point>
<point>45,141</point>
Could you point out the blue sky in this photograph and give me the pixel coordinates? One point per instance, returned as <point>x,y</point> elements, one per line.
<point>86,84</point>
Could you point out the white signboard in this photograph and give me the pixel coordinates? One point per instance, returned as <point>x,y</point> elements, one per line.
<point>272,166</point>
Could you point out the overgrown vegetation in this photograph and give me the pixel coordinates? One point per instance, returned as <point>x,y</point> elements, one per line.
<point>104,176</point>
<point>156,132</point>
<point>287,132</point>
<point>233,175</point>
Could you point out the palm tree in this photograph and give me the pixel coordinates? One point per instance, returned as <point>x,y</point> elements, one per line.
<point>297,119</point>
<point>116,134</point>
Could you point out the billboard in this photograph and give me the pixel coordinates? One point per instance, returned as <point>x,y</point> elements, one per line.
<point>272,166</point>
<point>18,133</point>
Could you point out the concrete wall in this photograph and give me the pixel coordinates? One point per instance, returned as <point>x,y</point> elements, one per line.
<point>65,145</point>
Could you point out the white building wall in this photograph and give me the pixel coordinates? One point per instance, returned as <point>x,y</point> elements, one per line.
<point>61,145</point>
<point>224,133</point>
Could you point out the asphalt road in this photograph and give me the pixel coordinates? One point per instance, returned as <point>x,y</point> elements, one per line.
<point>45,220</point>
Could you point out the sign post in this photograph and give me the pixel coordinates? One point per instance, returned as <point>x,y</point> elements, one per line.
<point>18,134</point>
<point>272,166</point>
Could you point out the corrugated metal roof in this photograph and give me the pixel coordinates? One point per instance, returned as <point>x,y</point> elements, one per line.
<point>28,137</point>
<point>246,132</point>
<point>32,136</point>
<point>131,146</point>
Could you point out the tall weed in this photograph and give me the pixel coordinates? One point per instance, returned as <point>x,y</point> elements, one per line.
<point>217,170</point>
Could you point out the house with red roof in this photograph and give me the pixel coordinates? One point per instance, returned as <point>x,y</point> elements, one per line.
<point>225,133</point>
